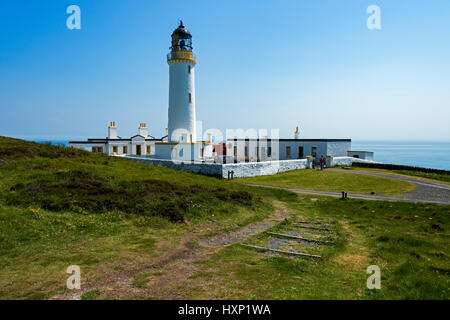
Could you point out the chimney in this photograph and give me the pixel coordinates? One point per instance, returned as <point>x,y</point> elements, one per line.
<point>143,130</point>
<point>112,131</point>
<point>297,133</point>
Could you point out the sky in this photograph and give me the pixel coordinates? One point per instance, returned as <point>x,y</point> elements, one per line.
<point>260,64</point>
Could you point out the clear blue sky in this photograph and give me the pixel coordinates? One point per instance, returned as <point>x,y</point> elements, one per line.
<point>261,64</point>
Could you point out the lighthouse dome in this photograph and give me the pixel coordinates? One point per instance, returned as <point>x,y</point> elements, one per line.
<point>182,32</point>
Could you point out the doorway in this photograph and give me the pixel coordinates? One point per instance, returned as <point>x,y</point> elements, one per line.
<point>300,152</point>
<point>138,149</point>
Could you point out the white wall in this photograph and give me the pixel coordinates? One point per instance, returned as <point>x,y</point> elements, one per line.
<point>338,148</point>
<point>240,170</point>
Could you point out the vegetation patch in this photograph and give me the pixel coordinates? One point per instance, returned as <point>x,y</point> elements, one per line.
<point>91,295</point>
<point>77,190</point>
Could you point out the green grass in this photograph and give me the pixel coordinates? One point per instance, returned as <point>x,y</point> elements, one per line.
<point>328,180</point>
<point>91,295</point>
<point>440,177</point>
<point>408,242</point>
<point>62,207</point>
<point>427,175</point>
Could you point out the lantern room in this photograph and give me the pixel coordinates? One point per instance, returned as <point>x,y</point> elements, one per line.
<point>181,48</point>
<point>181,39</point>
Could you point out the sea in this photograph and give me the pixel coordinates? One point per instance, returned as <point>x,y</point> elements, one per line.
<point>430,154</point>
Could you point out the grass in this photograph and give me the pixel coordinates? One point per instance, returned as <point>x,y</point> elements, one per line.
<point>439,177</point>
<point>427,175</point>
<point>327,180</point>
<point>408,242</point>
<point>62,207</point>
<point>91,295</point>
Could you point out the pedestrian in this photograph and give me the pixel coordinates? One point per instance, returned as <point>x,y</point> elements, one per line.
<point>322,162</point>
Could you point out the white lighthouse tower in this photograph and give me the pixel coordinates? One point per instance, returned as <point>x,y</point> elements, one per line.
<point>182,144</point>
<point>181,62</point>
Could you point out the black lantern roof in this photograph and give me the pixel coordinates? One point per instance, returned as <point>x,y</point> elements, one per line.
<point>182,32</point>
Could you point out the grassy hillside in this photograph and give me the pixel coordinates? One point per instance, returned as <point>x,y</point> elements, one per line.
<point>143,232</point>
<point>61,206</point>
<point>409,243</point>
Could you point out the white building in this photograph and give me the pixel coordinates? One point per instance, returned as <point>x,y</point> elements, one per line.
<point>140,144</point>
<point>365,155</point>
<point>253,150</point>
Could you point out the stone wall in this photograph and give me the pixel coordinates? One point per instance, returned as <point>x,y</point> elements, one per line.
<point>254,169</point>
<point>247,169</point>
<point>240,170</point>
<point>345,161</point>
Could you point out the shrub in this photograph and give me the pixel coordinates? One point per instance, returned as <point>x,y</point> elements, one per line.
<point>77,190</point>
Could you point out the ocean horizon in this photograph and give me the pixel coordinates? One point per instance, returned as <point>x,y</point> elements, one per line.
<point>426,154</point>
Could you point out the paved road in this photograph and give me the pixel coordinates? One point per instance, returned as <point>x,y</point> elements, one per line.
<point>426,191</point>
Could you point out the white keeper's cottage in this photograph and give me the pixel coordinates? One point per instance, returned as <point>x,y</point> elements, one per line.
<point>140,144</point>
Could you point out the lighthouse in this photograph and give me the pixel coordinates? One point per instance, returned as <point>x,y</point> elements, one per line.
<point>182,63</point>
<point>182,143</point>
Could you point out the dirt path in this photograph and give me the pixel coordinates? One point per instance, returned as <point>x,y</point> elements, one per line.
<point>168,275</point>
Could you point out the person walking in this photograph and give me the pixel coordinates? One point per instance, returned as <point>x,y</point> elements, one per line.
<point>322,162</point>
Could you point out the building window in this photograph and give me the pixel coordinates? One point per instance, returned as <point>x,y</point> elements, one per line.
<point>115,149</point>
<point>125,150</point>
<point>246,152</point>
<point>288,152</point>
<point>235,151</point>
<point>202,151</point>
<point>189,69</point>
<point>149,149</point>
<point>314,152</point>
<point>190,97</point>
<point>97,149</point>
<point>269,151</point>
<point>300,152</point>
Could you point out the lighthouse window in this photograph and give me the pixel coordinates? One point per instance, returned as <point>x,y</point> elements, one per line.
<point>190,98</point>
<point>189,69</point>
